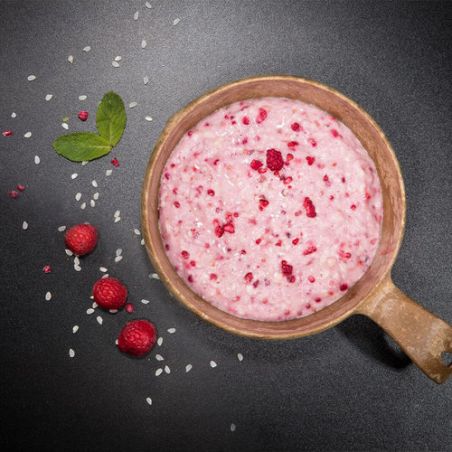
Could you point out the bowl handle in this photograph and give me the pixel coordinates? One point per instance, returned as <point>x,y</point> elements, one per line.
<point>421,335</point>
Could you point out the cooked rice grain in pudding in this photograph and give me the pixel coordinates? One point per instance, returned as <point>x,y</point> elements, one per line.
<point>270,209</point>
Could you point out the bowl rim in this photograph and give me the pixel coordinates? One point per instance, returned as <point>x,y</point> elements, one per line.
<point>172,122</point>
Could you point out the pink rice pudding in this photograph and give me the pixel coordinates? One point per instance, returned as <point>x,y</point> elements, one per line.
<point>270,209</point>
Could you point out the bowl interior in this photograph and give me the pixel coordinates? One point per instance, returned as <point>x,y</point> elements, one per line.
<point>372,139</point>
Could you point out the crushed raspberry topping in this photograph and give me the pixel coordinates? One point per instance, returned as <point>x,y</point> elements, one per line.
<point>275,161</point>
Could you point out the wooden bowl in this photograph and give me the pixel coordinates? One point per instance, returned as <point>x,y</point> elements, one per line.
<point>421,335</point>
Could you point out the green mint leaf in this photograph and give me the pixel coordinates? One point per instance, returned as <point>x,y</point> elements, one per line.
<point>111,118</point>
<point>81,146</point>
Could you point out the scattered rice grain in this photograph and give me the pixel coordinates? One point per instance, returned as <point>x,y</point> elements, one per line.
<point>188,367</point>
<point>213,364</point>
<point>143,44</point>
<point>148,5</point>
<point>167,370</point>
<point>148,400</point>
<point>27,134</point>
<point>86,49</point>
<point>24,225</point>
<point>94,183</point>
<point>146,79</point>
<point>233,427</point>
<point>74,329</point>
<point>99,320</point>
<point>90,311</point>
<point>32,77</point>
<point>158,372</point>
<point>115,64</point>
<point>82,97</point>
<point>159,357</point>
<point>71,353</point>
<point>176,21</point>
<point>136,15</point>
<point>92,203</point>
<point>148,118</point>
<point>61,228</point>
<point>160,341</point>
<point>103,269</point>
<point>74,176</point>
<point>68,252</point>
<point>137,231</point>
<point>133,104</point>
<point>118,259</point>
<point>48,296</point>
<point>70,58</point>
<point>171,330</point>
<point>78,196</point>
<point>49,97</point>
<point>37,160</point>
<point>144,301</point>
<point>83,205</point>
<point>108,172</point>
<point>239,356</point>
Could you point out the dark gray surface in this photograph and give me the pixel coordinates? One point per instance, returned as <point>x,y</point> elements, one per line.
<point>343,389</point>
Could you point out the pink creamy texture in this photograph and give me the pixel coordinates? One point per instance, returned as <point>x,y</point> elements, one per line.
<point>270,209</point>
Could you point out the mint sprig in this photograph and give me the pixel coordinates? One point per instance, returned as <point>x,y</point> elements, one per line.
<point>111,121</point>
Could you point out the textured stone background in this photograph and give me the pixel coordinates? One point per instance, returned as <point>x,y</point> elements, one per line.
<point>344,389</point>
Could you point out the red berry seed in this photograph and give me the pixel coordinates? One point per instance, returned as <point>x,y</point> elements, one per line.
<point>83,115</point>
<point>47,269</point>
<point>210,192</point>
<point>115,162</point>
<point>129,308</point>
<point>343,287</point>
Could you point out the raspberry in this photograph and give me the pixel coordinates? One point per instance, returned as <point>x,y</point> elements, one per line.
<point>256,164</point>
<point>275,161</point>
<point>263,203</point>
<point>110,293</point>
<point>229,227</point>
<point>309,207</point>
<point>262,116</point>
<point>286,268</point>
<point>83,115</point>
<point>309,250</point>
<point>81,239</point>
<point>137,338</point>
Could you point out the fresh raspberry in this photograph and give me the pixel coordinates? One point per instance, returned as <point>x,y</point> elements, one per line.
<point>309,207</point>
<point>81,239</point>
<point>137,338</point>
<point>275,161</point>
<point>83,115</point>
<point>110,293</point>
